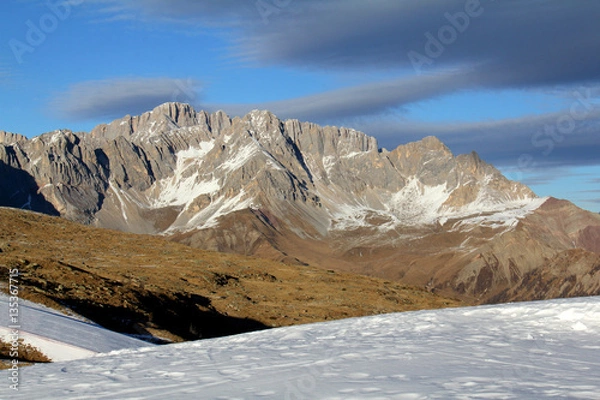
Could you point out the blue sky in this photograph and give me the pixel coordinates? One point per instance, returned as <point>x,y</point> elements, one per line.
<point>518,81</point>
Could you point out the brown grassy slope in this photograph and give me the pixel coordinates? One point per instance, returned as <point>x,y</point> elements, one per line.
<point>145,284</point>
<point>27,354</point>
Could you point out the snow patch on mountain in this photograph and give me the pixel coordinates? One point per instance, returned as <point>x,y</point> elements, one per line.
<point>350,216</point>
<point>240,157</point>
<point>417,204</point>
<point>328,163</point>
<point>119,194</point>
<point>496,215</point>
<point>208,217</point>
<point>195,153</point>
<point>187,182</point>
<point>183,191</point>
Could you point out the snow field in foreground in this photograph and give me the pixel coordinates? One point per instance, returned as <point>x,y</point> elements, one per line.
<point>548,349</point>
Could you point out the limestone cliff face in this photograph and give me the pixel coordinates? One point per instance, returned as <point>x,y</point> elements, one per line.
<point>8,138</point>
<point>192,167</point>
<point>291,190</point>
<point>56,169</point>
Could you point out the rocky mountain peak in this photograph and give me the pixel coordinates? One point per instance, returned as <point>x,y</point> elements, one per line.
<point>219,121</point>
<point>180,113</point>
<point>264,125</point>
<point>166,117</point>
<point>162,119</point>
<point>8,138</point>
<point>434,144</point>
<point>262,118</point>
<point>475,164</point>
<point>430,147</point>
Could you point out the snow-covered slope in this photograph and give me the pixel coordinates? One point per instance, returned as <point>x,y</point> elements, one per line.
<point>532,350</point>
<point>59,336</point>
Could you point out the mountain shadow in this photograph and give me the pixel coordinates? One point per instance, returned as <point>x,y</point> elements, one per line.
<point>18,189</point>
<point>188,316</point>
<point>128,308</point>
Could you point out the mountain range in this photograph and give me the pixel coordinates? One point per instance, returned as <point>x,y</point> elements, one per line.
<point>304,194</point>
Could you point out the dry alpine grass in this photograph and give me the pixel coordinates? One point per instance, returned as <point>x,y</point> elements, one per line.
<point>150,286</point>
<point>27,354</point>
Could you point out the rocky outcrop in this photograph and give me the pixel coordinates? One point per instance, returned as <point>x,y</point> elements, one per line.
<point>8,138</point>
<point>570,273</point>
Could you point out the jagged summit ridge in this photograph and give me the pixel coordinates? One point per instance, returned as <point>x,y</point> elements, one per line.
<point>162,119</point>
<point>191,167</point>
<point>8,138</point>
